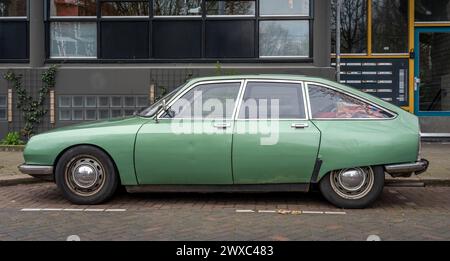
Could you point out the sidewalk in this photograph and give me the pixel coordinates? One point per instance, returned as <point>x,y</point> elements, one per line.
<point>437,153</point>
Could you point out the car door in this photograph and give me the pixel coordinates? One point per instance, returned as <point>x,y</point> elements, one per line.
<point>192,143</point>
<point>273,140</point>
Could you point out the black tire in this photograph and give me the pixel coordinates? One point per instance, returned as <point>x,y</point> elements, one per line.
<point>106,182</point>
<point>365,201</point>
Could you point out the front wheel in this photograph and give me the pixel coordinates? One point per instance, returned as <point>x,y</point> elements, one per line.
<point>353,188</point>
<point>86,175</point>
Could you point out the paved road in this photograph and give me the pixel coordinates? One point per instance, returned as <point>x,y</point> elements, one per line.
<point>38,212</point>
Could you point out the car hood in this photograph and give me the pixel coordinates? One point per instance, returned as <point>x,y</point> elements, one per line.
<point>115,122</point>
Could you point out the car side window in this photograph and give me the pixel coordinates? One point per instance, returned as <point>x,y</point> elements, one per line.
<point>206,101</point>
<point>272,100</point>
<point>327,103</point>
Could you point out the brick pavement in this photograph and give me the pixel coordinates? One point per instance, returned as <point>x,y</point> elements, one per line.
<point>400,214</point>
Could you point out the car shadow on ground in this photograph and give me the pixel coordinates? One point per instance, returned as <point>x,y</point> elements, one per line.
<point>47,195</point>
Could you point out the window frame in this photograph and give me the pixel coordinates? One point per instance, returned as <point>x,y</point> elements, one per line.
<point>302,86</point>
<point>23,19</point>
<point>392,114</point>
<point>4,107</point>
<point>203,18</point>
<point>369,36</point>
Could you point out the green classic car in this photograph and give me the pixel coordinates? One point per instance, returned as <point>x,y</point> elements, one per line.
<point>250,133</point>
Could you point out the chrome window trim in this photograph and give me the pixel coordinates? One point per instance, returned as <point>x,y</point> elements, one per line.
<point>73,57</point>
<point>283,57</point>
<point>176,16</point>
<point>125,16</point>
<point>284,15</point>
<point>187,89</point>
<point>229,16</point>
<point>70,17</point>
<point>302,86</point>
<point>13,17</point>
<point>393,114</point>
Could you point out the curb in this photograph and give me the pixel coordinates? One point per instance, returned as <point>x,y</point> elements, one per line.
<point>12,148</point>
<point>417,183</point>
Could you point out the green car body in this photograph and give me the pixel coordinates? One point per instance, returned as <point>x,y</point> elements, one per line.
<point>146,152</point>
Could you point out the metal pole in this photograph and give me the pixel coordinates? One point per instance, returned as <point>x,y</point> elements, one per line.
<point>338,40</point>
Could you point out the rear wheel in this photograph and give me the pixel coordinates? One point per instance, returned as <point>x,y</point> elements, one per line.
<point>86,175</point>
<point>354,187</point>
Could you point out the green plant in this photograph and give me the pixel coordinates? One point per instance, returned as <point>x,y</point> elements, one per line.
<point>162,93</point>
<point>12,138</point>
<point>33,110</point>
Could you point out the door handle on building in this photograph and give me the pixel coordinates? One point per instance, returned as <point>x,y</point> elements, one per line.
<point>416,83</point>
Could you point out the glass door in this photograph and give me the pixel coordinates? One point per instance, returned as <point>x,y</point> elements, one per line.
<point>432,71</point>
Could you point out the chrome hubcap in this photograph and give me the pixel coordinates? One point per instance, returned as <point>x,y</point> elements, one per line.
<point>353,183</point>
<point>352,180</point>
<point>85,175</point>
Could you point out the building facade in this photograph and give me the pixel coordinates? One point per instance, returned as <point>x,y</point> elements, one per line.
<point>116,56</point>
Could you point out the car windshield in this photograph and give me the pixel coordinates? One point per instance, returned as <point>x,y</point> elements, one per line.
<point>153,109</point>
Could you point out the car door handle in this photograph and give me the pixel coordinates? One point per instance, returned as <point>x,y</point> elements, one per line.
<point>222,125</point>
<point>299,125</point>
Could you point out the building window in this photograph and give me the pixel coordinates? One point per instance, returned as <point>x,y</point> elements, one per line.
<point>3,108</point>
<point>13,32</point>
<point>219,8</point>
<point>73,40</point>
<point>177,39</point>
<point>432,11</point>
<point>14,8</point>
<point>74,8</point>
<point>285,7</point>
<point>281,38</point>
<point>353,26</point>
<point>284,38</point>
<point>179,29</point>
<point>125,8</point>
<point>230,39</point>
<point>124,40</point>
<point>390,26</point>
<point>87,108</point>
<point>177,7</point>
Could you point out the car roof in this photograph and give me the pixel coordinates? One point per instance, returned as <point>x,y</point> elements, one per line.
<point>292,77</point>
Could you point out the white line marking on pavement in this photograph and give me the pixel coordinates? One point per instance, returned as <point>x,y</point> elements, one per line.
<point>94,210</point>
<point>335,213</point>
<point>291,212</point>
<point>115,210</point>
<point>30,209</point>
<point>51,209</point>
<point>267,211</point>
<point>73,209</point>
<point>245,211</point>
